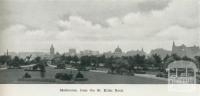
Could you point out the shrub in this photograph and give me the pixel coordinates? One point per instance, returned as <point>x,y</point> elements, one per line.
<point>79,75</point>
<point>60,66</point>
<point>26,75</point>
<point>63,76</point>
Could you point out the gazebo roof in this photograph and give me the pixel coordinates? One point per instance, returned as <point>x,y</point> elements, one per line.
<point>182,64</point>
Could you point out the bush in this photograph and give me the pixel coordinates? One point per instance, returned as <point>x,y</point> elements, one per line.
<point>35,67</point>
<point>58,75</point>
<point>26,75</point>
<point>63,76</point>
<point>60,66</point>
<point>79,75</point>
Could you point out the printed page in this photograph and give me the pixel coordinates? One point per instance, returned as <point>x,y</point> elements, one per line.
<point>99,47</point>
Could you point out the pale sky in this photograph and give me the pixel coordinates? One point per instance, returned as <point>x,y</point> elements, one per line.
<point>33,25</point>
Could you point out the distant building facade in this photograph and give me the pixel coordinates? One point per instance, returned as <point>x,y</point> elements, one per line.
<point>118,52</point>
<point>89,53</point>
<point>72,52</point>
<point>186,51</point>
<point>161,52</point>
<point>135,52</point>
<point>108,54</point>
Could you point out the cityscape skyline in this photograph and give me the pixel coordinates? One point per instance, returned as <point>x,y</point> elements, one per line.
<point>52,50</point>
<point>101,51</point>
<point>78,50</point>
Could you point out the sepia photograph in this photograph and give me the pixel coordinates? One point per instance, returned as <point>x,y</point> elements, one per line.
<point>99,42</point>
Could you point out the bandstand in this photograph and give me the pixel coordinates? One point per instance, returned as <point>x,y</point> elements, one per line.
<point>182,72</point>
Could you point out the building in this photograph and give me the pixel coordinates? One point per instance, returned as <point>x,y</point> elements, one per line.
<point>72,52</point>
<point>108,54</point>
<point>135,52</point>
<point>118,52</point>
<point>52,50</point>
<point>89,53</point>
<point>183,50</point>
<point>161,52</point>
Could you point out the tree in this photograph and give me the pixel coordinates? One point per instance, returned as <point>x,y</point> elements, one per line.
<point>187,58</point>
<point>158,61</point>
<point>102,59</point>
<point>27,59</point>
<point>166,61</point>
<point>94,61</point>
<point>139,61</point>
<point>197,59</point>
<point>75,59</point>
<point>5,59</point>
<point>37,60</point>
<point>176,57</point>
<point>131,62</point>
<point>62,58</point>
<point>109,63</point>
<point>150,62</point>
<point>166,58</point>
<point>121,65</point>
<point>16,62</point>
<point>85,61</point>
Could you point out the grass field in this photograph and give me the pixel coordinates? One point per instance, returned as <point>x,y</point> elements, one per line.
<point>11,76</point>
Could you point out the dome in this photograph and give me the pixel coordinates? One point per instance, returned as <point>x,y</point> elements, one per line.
<point>118,50</point>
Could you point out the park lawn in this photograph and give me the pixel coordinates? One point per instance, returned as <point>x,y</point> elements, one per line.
<point>11,76</point>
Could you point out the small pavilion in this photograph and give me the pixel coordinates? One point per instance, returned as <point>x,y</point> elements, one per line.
<point>182,72</point>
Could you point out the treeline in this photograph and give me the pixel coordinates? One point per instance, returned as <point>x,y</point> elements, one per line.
<point>17,61</point>
<point>130,63</point>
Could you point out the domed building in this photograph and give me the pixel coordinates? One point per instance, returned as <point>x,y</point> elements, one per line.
<point>118,52</point>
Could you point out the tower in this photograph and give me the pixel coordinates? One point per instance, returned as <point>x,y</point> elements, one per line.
<point>173,47</point>
<point>52,51</point>
<point>174,44</point>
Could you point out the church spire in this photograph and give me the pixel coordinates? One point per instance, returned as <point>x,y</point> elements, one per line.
<point>174,44</point>
<point>52,50</point>
<point>173,47</point>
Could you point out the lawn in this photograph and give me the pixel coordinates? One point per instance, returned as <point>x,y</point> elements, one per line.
<point>11,76</point>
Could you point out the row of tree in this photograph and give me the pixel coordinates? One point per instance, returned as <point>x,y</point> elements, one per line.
<point>137,62</point>
<point>17,61</point>
<point>131,63</point>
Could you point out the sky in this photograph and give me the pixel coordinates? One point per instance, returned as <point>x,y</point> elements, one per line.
<point>33,25</point>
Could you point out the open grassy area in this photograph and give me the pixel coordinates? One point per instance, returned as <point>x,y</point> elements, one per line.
<point>12,76</point>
